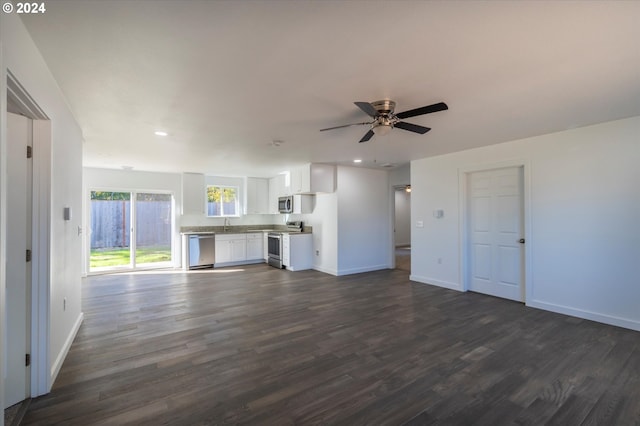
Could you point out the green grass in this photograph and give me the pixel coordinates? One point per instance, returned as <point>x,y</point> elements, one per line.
<point>117,256</point>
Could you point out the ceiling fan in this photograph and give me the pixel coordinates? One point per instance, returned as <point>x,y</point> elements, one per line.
<point>384,119</point>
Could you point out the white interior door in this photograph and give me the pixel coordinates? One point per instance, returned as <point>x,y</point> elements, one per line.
<point>495,213</point>
<point>18,270</point>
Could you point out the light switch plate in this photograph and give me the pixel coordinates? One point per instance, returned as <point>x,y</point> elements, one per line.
<point>419,224</point>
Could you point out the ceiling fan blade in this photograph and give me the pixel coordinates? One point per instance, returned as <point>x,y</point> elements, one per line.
<point>346,125</point>
<point>367,136</point>
<point>441,106</point>
<point>411,127</point>
<point>367,108</point>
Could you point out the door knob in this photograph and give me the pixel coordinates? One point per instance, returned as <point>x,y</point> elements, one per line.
<point>521,240</point>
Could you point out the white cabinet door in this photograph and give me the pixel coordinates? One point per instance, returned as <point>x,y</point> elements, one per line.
<point>313,178</point>
<point>298,181</point>
<point>276,189</point>
<point>299,252</point>
<point>231,248</point>
<point>286,255</point>
<point>265,246</point>
<point>238,250</point>
<point>257,196</point>
<point>254,246</point>
<point>223,251</point>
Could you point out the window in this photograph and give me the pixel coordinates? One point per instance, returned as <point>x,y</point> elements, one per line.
<point>222,201</point>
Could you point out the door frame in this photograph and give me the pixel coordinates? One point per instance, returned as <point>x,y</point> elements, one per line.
<point>40,376</point>
<point>463,221</point>
<point>133,265</point>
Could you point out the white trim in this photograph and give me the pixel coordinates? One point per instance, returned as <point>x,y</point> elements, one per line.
<point>363,269</point>
<point>392,226</point>
<point>437,283</point>
<point>236,263</point>
<point>40,268</point>
<point>3,213</point>
<point>588,315</point>
<point>462,219</point>
<point>329,271</point>
<point>55,368</point>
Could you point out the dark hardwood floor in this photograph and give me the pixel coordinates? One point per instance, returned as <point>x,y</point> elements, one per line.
<point>257,345</point>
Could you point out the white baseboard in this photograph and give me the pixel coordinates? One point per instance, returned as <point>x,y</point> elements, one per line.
<point>325,270</point>
<point>55,368</point>
<point>588,315</point>
<point>362,269</point>
<point>438,283</point>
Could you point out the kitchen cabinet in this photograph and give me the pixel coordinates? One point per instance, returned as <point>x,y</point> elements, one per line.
<point>255,246</point>
<point>231,248</point>
<point>297,251</point>
<point>312,178</point>
<point>257,196</point>
<point>303,204</point>
<point>265,246</point>
<point>193,193</point>
<point>277,189</point>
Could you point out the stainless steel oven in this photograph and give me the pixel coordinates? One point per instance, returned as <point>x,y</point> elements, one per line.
<point>274,241</point>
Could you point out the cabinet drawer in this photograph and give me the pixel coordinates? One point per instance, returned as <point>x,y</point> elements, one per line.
<point>229,237</point>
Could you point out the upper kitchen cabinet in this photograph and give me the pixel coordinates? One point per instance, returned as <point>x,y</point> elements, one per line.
<point>277,188</point>
<point>313,178</point>
<point>257,196</point>
<point>193,193</point>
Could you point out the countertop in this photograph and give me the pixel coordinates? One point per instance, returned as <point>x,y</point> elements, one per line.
<point>209,230</point>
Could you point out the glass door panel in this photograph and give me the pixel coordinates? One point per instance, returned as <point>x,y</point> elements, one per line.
<point>153,228</point>
<point>110,230</point>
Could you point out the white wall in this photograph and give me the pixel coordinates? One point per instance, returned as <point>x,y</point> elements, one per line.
<point>402,217</point>
<point>583,207</point>
<point>324,221</point>
<point>19,54</point>
<point>364,220</point>
<point>352,226</point>
<point>3,207</point>
<point>400,176</point>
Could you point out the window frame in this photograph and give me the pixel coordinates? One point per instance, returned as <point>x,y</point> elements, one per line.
<point>222,188</point>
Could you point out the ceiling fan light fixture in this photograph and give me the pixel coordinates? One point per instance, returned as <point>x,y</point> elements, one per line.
<point>382,129</point>
<point>382,126</point>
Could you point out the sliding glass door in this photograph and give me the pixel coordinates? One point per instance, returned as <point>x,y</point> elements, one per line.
<point>130,230</point>
<point>153,229</point>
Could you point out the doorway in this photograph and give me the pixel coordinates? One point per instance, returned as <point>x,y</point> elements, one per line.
<point>130,230</point>
<point>402,227</point>
<point>495,232</point>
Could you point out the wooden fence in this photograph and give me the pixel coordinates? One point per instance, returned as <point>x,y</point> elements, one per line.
<point>110,223</point>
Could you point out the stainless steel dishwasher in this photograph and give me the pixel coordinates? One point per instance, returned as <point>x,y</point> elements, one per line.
<point>202,251</point>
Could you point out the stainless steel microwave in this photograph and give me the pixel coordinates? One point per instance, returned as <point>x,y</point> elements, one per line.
<point>285,204</point>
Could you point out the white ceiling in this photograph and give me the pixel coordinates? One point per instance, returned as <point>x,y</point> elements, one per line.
<point>226,78</point>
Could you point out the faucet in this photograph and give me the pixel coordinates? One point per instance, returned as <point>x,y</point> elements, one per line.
<point>227,223</point>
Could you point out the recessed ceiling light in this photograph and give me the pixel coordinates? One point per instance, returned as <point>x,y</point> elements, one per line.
<point>160,133</point>
<point>357,160</point>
